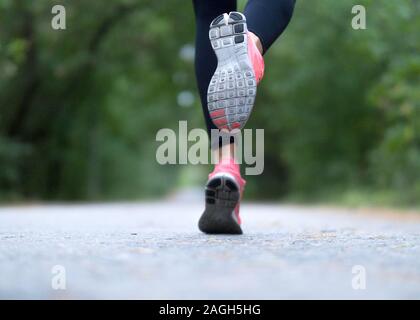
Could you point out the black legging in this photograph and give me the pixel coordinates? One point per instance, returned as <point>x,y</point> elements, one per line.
<point>265,18</point>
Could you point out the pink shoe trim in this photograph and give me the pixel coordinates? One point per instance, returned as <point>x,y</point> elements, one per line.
<point>256,59</point>
<point>232,168</point>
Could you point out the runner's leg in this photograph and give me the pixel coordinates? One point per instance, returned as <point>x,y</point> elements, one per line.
<point>205,59</point>
<point>267,19</point>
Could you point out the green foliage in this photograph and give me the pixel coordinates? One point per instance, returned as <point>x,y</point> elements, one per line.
<point>80,108</point>
<point>342,99</point>
<point>396,160</point>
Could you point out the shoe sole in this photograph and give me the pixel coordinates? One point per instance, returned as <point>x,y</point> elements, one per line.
<point>233,87</point>
<point>222,196</point>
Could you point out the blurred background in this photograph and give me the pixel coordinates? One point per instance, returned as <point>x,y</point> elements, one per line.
<point>80,108</point>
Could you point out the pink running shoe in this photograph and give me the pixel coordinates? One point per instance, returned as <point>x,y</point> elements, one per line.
<point>223,194</point>
<point>233,87</point>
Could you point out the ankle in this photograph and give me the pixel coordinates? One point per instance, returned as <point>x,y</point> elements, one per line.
<point>230,163</point>
<point>256,41</point>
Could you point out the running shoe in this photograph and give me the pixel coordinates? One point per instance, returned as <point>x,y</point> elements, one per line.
<point>233,87</point>
<point>223,194</point>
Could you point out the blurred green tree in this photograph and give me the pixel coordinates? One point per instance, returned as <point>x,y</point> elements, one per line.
<point>80,108</point>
